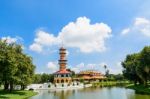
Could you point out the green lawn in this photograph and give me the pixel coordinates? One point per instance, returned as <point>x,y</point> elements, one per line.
<point>140,89</point>
<point>16,94</point>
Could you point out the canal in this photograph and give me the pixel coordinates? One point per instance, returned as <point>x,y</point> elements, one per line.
<point>91,93</point>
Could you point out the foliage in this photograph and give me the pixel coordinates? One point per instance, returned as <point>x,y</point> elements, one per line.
<point>115,77</point>
<point>72,72</point>
<point>16,67</point>
<point>137,66</point>
<point>42,78</point>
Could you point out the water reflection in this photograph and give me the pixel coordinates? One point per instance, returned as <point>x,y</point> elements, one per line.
<point>90,93</point>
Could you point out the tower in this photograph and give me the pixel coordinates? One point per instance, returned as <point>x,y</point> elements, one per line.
<point>62,60</point>
<point>63,75</point>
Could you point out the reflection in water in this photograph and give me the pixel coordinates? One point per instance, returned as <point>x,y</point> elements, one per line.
<point>90,93</point>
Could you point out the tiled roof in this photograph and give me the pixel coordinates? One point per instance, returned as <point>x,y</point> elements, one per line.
<point>62,72</point>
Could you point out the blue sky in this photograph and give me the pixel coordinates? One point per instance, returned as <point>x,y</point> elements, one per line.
<point>95,32</point>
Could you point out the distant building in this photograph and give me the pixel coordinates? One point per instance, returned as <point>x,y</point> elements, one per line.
<point>63,75</point>
<point>90,75</point>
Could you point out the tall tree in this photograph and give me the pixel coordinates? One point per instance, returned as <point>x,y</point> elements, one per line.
<point>130,67</point>
<point>144,67</point>
<point>16,67</point>
<point>137,66</point>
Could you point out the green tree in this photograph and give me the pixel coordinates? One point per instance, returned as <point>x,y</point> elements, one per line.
<point>137,66</point>
<point>43,78</point>
<point>130,67</point>
<point>16,67</point>
<point>144,67</point>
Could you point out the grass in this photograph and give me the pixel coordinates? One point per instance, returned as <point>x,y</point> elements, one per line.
<point>110,83</point>
<point>16,94</point>
<point>140,89</point>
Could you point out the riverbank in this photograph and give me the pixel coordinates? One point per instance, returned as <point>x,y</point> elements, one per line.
<point>16,94</point>
<point>140,89</point>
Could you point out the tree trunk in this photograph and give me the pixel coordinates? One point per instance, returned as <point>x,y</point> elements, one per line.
<point>6,85</point>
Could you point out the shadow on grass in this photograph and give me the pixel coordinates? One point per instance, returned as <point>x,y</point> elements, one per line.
<point>2,92</point>
<point>3,97</point>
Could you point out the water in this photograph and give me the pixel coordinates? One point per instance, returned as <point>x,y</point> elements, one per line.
<point>91,93</point>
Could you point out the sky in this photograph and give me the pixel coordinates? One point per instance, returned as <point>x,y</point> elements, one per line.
<point>95,32</point>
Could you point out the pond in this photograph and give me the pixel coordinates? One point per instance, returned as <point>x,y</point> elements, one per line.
<point>91,93</point>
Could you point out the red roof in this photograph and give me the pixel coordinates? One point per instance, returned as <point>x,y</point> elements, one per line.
<point>62,72</point>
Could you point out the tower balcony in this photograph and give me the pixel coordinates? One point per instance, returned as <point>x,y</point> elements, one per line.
<point>62,52</point>
<point>64,60</point>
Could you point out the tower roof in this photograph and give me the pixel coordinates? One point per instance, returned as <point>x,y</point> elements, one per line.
<point>62,48</point>
<point>62,72</point>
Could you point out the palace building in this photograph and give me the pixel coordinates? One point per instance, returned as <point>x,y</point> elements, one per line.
<point>63,75</point>
<point>90,75</point>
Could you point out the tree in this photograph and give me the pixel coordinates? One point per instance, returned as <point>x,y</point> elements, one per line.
<point>43,78</point>
<point>106,71</point>
<point>144,67</point>
<point>72,72</point>
<point>137,66</point>
<point>16,67</point>
<point>130,65</point>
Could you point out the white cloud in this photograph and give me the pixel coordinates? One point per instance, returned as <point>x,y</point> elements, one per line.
<point>9,39</point>
<point>140,25</point>
<point>44,38</point>
<point>125,31</point>
<point>80,34</point>
<point>36,47</point>
<point>85,36</point>
<point>52,66</point>
<point>141,21</point>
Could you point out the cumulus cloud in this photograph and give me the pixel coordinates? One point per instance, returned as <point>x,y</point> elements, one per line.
<point>36,47</point>
<point>85,36</point>
<point>43,39</point>
<point>80,34</point>
<point>140,25</point>
<point>52,66</point>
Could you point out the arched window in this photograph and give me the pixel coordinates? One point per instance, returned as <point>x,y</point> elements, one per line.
<point>57,81</point>
<point>66,80</point>
<point>62,81</point>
